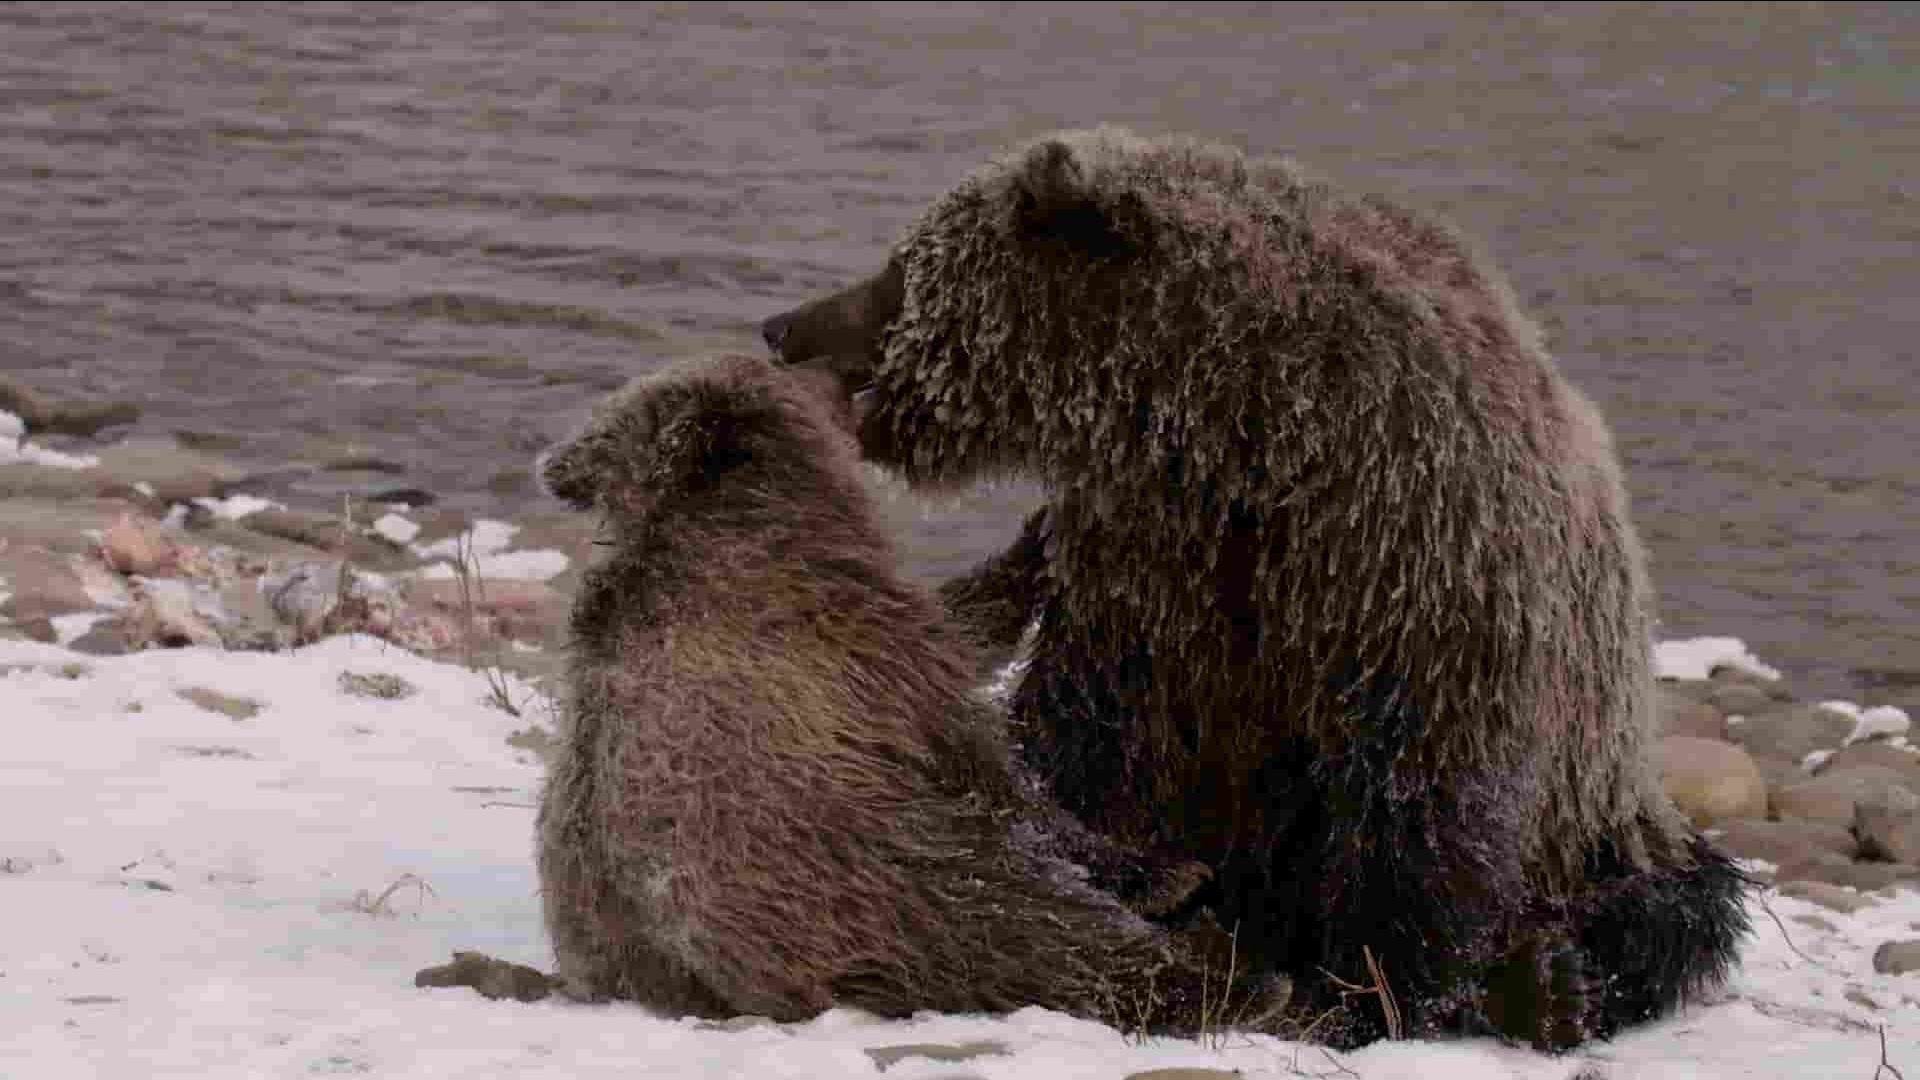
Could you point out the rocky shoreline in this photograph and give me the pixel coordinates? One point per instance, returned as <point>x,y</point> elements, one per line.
<point>108,547</point>
<point>113,547</point>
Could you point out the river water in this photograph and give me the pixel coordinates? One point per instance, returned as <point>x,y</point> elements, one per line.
<point>434,233</point>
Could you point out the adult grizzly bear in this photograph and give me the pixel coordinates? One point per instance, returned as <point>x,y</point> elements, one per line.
<point>777,790</point>
<point>1335,585</point>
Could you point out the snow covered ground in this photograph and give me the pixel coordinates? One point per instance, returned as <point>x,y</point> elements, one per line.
<point>191,888</point>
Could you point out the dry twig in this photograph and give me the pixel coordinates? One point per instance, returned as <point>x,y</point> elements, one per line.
<point>1885,1066</point>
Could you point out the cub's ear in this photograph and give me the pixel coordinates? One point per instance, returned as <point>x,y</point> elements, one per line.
<point>642,442</point>
<point>1055,199</point>
<point>572,471</point>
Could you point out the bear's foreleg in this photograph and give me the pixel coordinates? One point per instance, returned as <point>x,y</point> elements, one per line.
<point>998,599</point>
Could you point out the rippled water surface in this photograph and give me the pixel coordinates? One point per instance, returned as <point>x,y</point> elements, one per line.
<point>434,233</point>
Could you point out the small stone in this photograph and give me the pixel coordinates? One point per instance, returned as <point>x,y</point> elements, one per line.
<point>1859,997</point>
<point>886,1056</point>
<point>1710,780</point>
<point>1887,826</point>
<point>1831,797</point>
<point>737,1023</point>
<point>1817,922</point>
<point>1791,733</point>
<point>1785,841</point>
<point>494,979</point>
<point>375,685</point>
<point>233,708</point>
<point>1897,957</point>
<point>215,752</point>
<point>135,545</point>
<point>535,739</point>
<point>395,528</point>
<point>1831,897</point>
<point>324,531</point>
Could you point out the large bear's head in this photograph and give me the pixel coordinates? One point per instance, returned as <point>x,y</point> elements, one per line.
<point>692,430</point>
<point>1036,306</point>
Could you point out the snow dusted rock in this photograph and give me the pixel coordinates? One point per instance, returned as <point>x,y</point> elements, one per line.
<point>1710,780</point>
<point>1882,721</point>
<point>1831,897</point>
<point>1830,797</point>
<point>396,529</point>
<point>136,545</point>
<point>1888,825</point>
<point>166,615</point>
<point>1897,957</point>
<point>1789,733</point>
<point>1876,754</point>
<point>884,1057</point>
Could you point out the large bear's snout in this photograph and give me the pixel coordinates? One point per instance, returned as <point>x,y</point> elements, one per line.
<point>775,331</point>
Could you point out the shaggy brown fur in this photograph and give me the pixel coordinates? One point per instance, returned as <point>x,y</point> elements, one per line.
<point>778,791</point>
<point>1336,588</point>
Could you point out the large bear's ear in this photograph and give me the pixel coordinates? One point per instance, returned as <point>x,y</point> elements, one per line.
<point>1054,198</point>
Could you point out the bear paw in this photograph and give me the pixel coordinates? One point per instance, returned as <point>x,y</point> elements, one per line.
<point>1540,994</point>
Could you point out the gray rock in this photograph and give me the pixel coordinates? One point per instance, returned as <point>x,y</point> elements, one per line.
<point>304,594</point>
<point>1682,714</point>
<point>1897,957</point>
<point>42,584</point>
<point>886,1056</point>
<point>138,545</point>
<point>168,614</point>
<point>1887,826</point>
<point>1876,753</point>
<point>1710,780</point>
<point>1785,841</point>
<point>1829,797</point>
<point>1861,998</point>
<point>1740,699</point>
<point>1790,733</point>
<point>59,526</point>
<point>1833,870</point>
<point>109,638</point>
<point>1829,896</point>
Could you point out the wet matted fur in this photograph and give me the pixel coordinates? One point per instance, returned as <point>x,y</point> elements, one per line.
<point>777,790</point>
<point>1336,586</point>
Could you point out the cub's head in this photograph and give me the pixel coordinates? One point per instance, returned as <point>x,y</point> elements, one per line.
<point>692,429</point>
